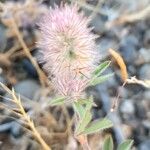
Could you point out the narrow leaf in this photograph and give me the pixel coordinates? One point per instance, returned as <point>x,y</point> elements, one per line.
<point>85,101</point>
<point>79,109</point>
<point>125,145</point>
<point>89,104</point>
<point>57,101</point>
<point>96,126</point>
<point>86,118</point>
<point>84,122</point>
<point>101,68</point>
<point>100,79</point>
<point>108,143</point>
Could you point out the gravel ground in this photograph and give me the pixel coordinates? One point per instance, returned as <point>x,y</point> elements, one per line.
<point>111,21</point>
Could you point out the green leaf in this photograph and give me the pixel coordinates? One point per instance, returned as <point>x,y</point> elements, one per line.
<point>84,122</point>
<point>100,79</point>
<point>57,101</point>
<point>85,118</point>
<point>101,68</point>
<point>108,143</point>
<point>85,101</point>
<point>79,109</point>
<point>96,126</point>
<point>89,103</point>
<point>125,145</point>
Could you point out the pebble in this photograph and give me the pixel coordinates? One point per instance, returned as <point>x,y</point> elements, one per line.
<point>140,110</point>
<point>111,82</point>
<point>146,124</point>
<point>98,22</point>
<point>28,88</point>
<point>36,53</point>
<point>117,129</point>
<point>127,107</point>
<point>2,80</point>
<point>147,39</point>
<point>29,68</point>
<point>129,40</point>
<point>3,39</point>
<point>145,145</point>
<point>147,95</point>
<point>104,45</point>
<point>104,96</point>
<point>5,127</point>
<point>132,71</point>
<point>141,27</point>
<point>143,56</point>
<point>123,92</point>
<point>16,129</point>
<point>19,71</point>
<point>144,72</point>
<point>128,47</point>
<point>13,127</point>
<point>52,2</point>
<point>145,53</point>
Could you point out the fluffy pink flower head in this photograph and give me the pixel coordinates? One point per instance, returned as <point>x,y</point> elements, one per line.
<point>68,49</point>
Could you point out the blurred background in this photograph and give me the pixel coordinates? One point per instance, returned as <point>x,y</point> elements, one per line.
<point>123,25</point>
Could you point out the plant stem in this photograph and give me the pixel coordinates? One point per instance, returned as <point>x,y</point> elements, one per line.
<point>41,74</point>
<point>27,118</point>
<point>83,141</point>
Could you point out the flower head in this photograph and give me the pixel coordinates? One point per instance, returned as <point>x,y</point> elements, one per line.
<point>68,49</point>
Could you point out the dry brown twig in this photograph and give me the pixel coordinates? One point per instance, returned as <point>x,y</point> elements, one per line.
<point>4,60</point>
<point>87,6</point>
<point>129,18</point>
<point>12,24</point>
<point>134,80</point>
<point>124,75</point>
<point>26,117</point>
<point>82,139</point>
<point>12,50</point>
<point>41,74</point>
<point>96,9</point>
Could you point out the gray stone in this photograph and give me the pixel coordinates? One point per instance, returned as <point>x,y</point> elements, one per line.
<point>3,39</point>
<point>145,53</point>
<point>145,145</point>
<point>147,95</point>
<point>27,88</point>
<point>130,40</point>
<point>98,23</point>
<point>144,72</point>
<point>104,45</point>
<point>127,107</point>
<point>147,38</point>
<point>16,129</point>
<point>5,127</point>
<point>2,80</point>
<point>128,46</point>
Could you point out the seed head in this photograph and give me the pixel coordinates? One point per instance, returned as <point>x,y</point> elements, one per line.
<point>68,49</point>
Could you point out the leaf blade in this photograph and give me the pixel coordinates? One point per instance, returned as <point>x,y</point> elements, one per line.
<point>101,68</point>
<point>86,118</point>
<point>108,143</point>
<point>97,126</point>
<point>57,101</point>
<point>79,109</point>
<point>100,79</point>
<point>125,145</point>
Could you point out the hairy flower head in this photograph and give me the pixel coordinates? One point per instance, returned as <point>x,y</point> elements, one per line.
<point>68,49</point>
